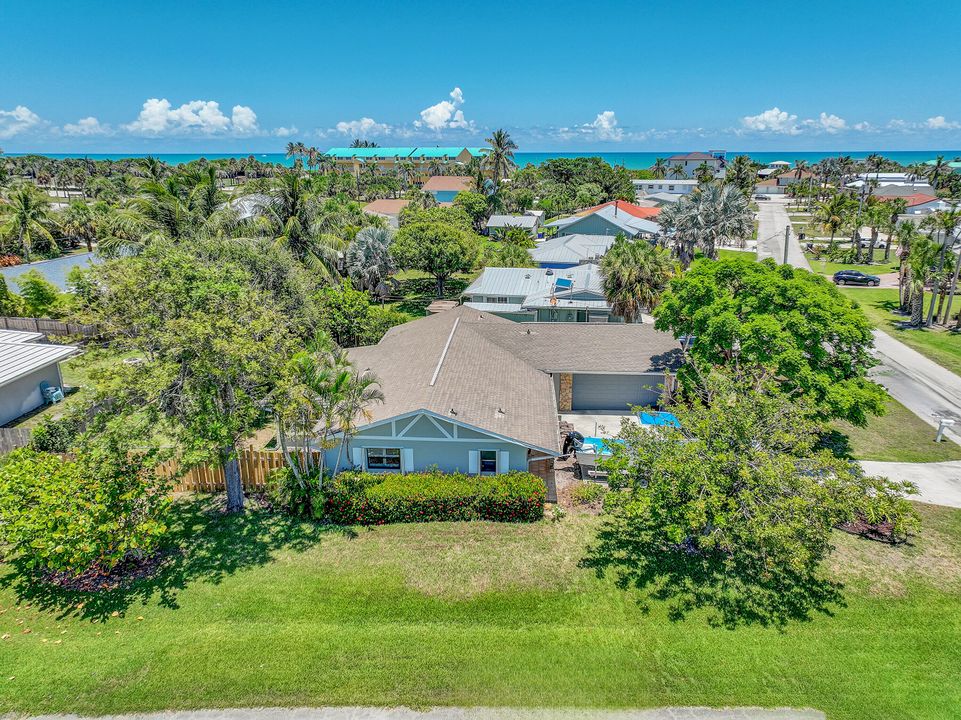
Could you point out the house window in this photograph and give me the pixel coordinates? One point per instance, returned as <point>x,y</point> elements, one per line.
<point>383,458</point>
<point>488,462</point>
<point>498,299</point>
<point>670,187</point>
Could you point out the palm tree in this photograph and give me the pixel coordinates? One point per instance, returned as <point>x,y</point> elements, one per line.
<point>78,221</point>
<point>937,167</point>
<point>907,234</point>
<point>358,143</point>
<point>832,214</point>
<point>636,274</point>
<point>921,259</point>
<point>709,217</point>
<point>500,158</point>
<point>945,223</point>
<point>361,390</point>
<point>367,260</point>
<point>678,171</point>
<point>704,173</point>
<point>25,215</point>
<point>659,168</point>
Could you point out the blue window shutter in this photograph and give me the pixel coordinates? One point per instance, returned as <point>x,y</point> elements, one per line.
<point>473,462</point>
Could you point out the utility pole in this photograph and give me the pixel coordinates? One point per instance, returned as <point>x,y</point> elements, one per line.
<point>787,238</point>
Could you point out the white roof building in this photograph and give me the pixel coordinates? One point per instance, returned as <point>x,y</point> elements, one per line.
<point>26,365</point>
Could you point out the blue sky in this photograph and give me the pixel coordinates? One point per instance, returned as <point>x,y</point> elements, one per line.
<point>636,75</point>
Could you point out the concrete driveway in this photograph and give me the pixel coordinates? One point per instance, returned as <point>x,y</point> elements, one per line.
<point>938,483</point>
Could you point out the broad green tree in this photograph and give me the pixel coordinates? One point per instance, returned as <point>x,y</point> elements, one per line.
<point>437,249</point>
<point>790,322</point>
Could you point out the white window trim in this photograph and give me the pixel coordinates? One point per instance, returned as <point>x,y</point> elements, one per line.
<point>400,462</point>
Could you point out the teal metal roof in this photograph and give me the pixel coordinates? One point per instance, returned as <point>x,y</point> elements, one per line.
<point>403,152</point>
<point>378,152</point>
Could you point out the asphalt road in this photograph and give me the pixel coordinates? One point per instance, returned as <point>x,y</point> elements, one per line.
<point>772,221</point>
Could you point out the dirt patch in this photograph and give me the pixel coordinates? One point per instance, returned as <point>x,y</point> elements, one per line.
<point>122,575</point>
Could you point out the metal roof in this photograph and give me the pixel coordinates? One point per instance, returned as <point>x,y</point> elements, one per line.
<point>573,249</point>
<point>13,336</point>
<point>622,221</point>
<point>402,152</point>
<point>507,221</point>
<point>18,359</point>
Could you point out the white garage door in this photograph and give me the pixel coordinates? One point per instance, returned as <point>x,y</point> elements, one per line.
<point>615,392</point>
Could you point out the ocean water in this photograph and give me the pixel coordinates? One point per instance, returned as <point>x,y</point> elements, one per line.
<point>631,160</point>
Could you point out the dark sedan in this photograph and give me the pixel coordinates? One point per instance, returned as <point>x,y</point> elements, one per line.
<point>854,277</point>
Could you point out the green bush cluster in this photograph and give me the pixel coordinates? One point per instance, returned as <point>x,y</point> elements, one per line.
<point>65,515</point>
<point>369,499</point>
<point>56,435</point>
<point>587,493</point>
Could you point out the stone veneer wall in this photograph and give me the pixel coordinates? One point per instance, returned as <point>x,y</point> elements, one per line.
<point>566,392</point>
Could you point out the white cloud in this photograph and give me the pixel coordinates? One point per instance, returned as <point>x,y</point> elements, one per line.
<point>774,120</point>
<point>244,120</point>
<point>605,126</point>
<point>202,117</point>
<point>832,123</point>
<point>864,127</point>
<point>445,114</point>
<point>86,126</point>
<point>939,122</point>
<point>14,122</point>
<point>286,131</point>
<point>363,127</point>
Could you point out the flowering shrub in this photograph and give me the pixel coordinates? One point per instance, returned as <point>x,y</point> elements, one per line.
<point>10,260</point>
<point>368,499</point>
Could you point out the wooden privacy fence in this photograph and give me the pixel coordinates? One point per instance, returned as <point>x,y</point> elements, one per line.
<point>47,327</point>
<point>13,438</point>
<point>254,466</point>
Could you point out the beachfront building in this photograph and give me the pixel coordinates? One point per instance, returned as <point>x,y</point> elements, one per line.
<point>422,161</point>
<point>616,217</point>
<point>690,162</point>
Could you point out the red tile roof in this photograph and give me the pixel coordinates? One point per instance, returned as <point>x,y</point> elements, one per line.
<point>624,206</point>
<point>913,200</point>
<point>449,182</point>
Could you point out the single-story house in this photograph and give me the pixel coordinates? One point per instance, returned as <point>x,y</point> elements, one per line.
<point>611,218</point>
<point>645,188</point>
<point>27,363</point>
<point>531,223</point>
<point>768,187</point>
<point>467,391</point>
<point>895,190</point>
<point>790,177</point>
<point>572,295</point>
<point>387,208</point>
<point>921,204</point>
<point>444,188</point>
<point>566,251</point>
<point>663,198</point>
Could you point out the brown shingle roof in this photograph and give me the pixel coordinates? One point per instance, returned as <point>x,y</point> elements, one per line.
<point>385,207</point>
<point>457,183</point>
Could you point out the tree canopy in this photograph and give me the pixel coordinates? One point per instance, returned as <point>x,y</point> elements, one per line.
<point>777,319</point>
<point>438,249</point>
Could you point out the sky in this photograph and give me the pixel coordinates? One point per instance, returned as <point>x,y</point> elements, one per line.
<point>606,75</point>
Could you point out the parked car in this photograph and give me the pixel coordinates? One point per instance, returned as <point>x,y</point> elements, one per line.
<point>879,244</point>
<point>762,197</point>
<point>855,277</point>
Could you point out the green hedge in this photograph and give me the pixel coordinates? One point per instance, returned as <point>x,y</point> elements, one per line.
<point>369,499</point>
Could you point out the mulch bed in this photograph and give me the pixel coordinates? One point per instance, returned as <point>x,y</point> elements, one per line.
<point>879,532</point>
<point>98,579</point>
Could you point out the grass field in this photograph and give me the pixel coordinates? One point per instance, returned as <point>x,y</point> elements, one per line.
<point>826,267</point>
<point>897,436</point>
<point>264,611</point>
<point>727,254</point>
<point>879,304</point>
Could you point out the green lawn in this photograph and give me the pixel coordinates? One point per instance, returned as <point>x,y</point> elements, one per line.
<point>419,290</point>
<point>263,611</point>
<point>879,304</point>
<point>897,436</point>
<point>826,267</point>
<point>726,254</point>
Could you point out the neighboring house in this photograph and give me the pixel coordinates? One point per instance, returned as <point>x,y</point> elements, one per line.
<point>423,160</point>
<point>790,177</point>
<point>444,188</point>
<point>895,190</point>
<point>662,199</point>
<point>27,363</point>
<point>920,204</point>
<point>466,391</point>
<point>768,187</point>
<point>387,208</point>
<point>773,168</point>
<point>572,295</point>
<point>566,251</point>
<point>531,223</point>
<point>692,161</point>
<point>611,218</point>
<point>646,188</point>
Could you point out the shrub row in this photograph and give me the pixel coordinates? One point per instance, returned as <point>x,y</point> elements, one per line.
<point>369,499</point>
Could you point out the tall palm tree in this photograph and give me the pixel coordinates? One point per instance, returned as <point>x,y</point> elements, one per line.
<point>635,274</point>
<point>78,221</point>
<point>924,253</point>
<point>500,157</point>
<point>945,223</point>
<point>832,214</point>
<point>703,173</point>
<point>678,171</point>
<point>361,390</point>
<point>936,169</point>
<point>659,168</point>
<point>907,234</point>
<point>25,215</point>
